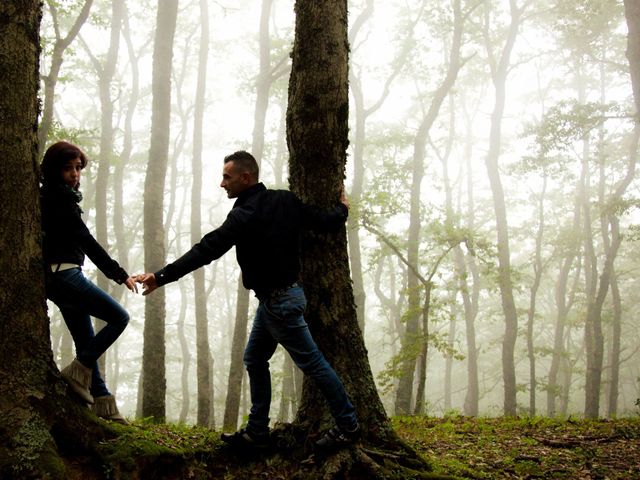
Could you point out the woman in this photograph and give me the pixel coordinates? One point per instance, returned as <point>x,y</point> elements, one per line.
<point>66,241</point>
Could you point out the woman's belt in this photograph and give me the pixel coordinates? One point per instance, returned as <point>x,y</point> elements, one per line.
<point>59,267</point>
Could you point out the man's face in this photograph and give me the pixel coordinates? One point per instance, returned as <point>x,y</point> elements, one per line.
<point>233,180</point>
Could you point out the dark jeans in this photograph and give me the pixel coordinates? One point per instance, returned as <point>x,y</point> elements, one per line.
<point>281,320</point>
<point>78,299</point>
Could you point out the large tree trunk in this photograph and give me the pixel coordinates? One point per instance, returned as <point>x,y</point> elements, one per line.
<point>317,136</point>
<point>153,355</point>
<point>36,415</point>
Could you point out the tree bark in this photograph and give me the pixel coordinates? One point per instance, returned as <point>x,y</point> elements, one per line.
<point>153,356</point>
<point>36,414</point>
<point>317,136</point>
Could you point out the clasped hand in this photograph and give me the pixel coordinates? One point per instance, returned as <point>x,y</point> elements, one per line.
<point>148,281</point>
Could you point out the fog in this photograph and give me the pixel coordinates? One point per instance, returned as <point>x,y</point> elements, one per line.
<point>562,146</point>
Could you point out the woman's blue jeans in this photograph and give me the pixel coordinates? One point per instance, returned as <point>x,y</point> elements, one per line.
<point>78,300</point>
<point>280,320</point>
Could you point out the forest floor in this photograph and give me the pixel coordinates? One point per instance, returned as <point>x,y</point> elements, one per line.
<point>526,448</point>
<point>462,447</point>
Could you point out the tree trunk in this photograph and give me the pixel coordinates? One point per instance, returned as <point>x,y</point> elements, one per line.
<point>531,312</point>
<point>448,368</point>
<point>564,296</point>
<point>466,265</point>
<point>236,367</point>
<point>287,400</point>
<point>614,356</point>
<point>263,86</point>
<point>153,356</point>
<point>317,136</point>
<point>499,72</point>
<point>632,15</point>
<point>36,414</point>
<point>405,387</point>
<point>203,353</point>
<point>186,357</point>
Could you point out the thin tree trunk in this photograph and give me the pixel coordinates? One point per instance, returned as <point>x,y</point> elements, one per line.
<point>204,374</point>
<point>614,357</point>
<point>236,368</point>
<point>531,312</point>
<point>404,393</point>
<point>499,72</point>
<point>153,357</point>
<point>287,398</point>
<point>265,79</point>
<point>466,265</point>
<point>186,357</point>
<point>448,369</point>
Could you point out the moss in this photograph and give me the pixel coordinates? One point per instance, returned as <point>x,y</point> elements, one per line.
<point>34,452</point>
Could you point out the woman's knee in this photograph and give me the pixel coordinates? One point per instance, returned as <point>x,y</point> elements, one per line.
<point>123,319</point>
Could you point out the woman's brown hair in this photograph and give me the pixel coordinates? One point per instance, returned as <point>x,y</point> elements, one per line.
<point>56,156</point>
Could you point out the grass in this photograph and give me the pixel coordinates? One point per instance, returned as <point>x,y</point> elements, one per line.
<point>526,448</point>
<point>468,448</point>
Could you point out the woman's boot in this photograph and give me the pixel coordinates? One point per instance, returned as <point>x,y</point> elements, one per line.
<point>105,407</point>
<point>79,379</point>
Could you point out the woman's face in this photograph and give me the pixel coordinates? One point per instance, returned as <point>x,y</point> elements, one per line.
<point>71,172</point>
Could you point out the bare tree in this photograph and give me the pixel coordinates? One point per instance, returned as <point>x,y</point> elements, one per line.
<point>57,56</point>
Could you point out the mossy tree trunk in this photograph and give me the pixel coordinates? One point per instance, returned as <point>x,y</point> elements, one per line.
<point>317,137</point>
<point>36,415</point>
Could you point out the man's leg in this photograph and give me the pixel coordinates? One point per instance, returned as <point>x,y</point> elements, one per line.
<point>258,352</point>
<point>285,321</point>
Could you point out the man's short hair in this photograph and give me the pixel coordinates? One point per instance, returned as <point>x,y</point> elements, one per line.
<point>245,161</point>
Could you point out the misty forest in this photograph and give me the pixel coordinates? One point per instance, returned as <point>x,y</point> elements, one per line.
<point>488,264</point>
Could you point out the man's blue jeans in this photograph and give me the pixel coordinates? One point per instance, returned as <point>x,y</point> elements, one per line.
<point>281,320</point>
<point>78,300</point>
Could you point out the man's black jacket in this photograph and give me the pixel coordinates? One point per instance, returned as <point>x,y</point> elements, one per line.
<point>264,225</point>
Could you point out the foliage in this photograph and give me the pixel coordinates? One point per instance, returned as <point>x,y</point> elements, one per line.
<point>564,124</point>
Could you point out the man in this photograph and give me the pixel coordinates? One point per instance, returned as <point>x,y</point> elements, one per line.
<point>264,226</point>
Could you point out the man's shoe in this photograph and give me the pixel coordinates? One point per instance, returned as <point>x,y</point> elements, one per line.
<point>246,438</point>
<point>337,438</point>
